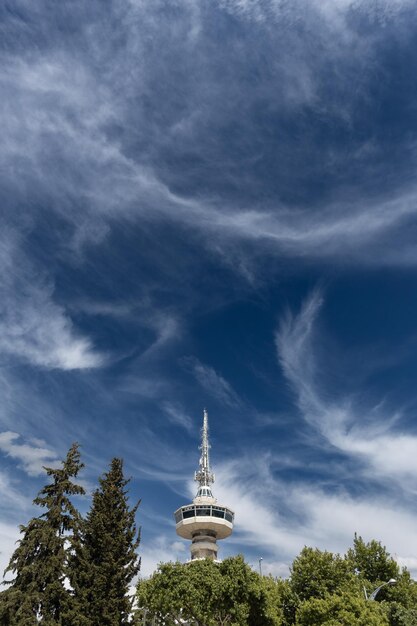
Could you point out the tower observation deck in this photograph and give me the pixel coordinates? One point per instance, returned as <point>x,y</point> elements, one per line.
<point>204,521</point>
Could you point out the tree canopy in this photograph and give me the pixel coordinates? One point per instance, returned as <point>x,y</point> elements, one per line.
<point>210,594</point>
<point>323,589</point>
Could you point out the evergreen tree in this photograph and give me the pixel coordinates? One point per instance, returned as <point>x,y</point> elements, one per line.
<point>105,559</point>
<point>39,563</point>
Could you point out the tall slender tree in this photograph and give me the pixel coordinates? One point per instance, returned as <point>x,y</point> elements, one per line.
<point>39,563</point>
<point>105,559</point>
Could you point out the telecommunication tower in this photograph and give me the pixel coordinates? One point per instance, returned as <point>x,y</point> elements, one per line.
<point>204,521</point>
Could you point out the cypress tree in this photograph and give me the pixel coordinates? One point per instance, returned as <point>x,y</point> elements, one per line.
<point>105,559</point>
<point>39,563</point>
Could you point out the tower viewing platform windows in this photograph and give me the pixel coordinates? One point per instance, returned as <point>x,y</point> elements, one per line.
<point>186,512</point>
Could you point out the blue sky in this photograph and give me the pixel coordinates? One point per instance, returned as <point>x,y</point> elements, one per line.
<point>213,203</point>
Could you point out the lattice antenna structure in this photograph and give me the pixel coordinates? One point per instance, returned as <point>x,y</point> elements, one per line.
<point>203,475</point>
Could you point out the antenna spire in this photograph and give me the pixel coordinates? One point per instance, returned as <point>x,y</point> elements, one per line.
<point>203,475</point>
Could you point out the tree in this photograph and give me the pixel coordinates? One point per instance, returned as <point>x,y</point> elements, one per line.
<point>328,589</point>
<point>404,592</point>
<point>267,602</point>
<point>105,561</point>
<point>245,597</point>
<point>210,594</point>
<point>316,573</point>
<point>401,616</point>
<point>324,589</point>
<point>341,609</point>
<point>289,601</point>
<point>40,563</point>
<point>168,593</point>
<point>372,561</point>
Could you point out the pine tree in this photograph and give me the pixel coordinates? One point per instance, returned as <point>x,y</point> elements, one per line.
<point>39,563</point>
<point>105,559</point>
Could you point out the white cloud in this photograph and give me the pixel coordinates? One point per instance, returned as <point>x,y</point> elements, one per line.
<point>335,12</point>
<point>213,383</point>
<point>32,326</point>
<point>146,386</point>
<point>11,498</point>
<point>177,415</point>
<point>340,229</point>
<point>312,516</point>
<point>9,534</point>
<point>61,101</point>
<point>32,456</point>
<point>160,550</point>
<point>368,435</point>
<point>57,99</point>
<point>166,327</point>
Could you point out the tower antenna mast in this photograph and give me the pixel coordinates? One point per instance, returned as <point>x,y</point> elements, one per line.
<point>203,475</point>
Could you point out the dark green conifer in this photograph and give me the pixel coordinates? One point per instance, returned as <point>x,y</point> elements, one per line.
<point>105,560</point>
<point>39,563</point>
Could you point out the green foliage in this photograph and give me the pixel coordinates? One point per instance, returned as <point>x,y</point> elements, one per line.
<point>315,574</point>
<point>404,592</point>
<point>342,609</point>
<point>402,616</point>
<point>266,606</point>
<point>372,561</point>
<point>247,597</point>
<point>163,593</point>
<point>97,556</point>
<point>330,589</point>
<point>39,563</point>
<point>289,601</point>
<point>211,594</point>
<point>104,559</point>
<point>324,589</point>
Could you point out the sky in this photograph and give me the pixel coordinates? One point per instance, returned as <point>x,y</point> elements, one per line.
<point>213,204</point>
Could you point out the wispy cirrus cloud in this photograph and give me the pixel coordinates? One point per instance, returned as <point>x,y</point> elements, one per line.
<point>33,327</point>
<point>177,415</point>
<point>123,186</point>
<point>212,382</point>
<point>336,12</point>
<point>372,435</point>
<point>312,515</point>
<point>338,230</point>
<point>12,499</point>
<point>65,135</point>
